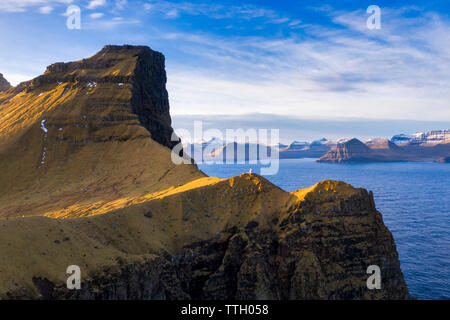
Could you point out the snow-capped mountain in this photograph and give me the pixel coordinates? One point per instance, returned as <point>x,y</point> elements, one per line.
<point>420,138</point>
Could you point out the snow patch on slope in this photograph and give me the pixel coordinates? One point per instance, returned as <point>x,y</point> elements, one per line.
<point>43,126</point>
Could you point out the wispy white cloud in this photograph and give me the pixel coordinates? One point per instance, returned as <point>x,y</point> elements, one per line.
<point>96,15</point>
<point>93,4</point>
<point>45,9</point>
<point>109,24</point>
<point>173,13</point>
<point>120,4</point>
<point>23,5</point>
<point>397,73</point>
<point>295,23</point>
<point>401,71</point>
<point>148,6</point>
<point>214,10</point>
<point>280,20</point>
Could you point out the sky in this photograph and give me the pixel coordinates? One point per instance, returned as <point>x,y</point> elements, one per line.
<point>277,63</point>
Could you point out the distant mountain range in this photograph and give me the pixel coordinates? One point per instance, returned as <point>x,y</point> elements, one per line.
<point>420,138</point>
<point>430,146</point>
<point>315,149</point>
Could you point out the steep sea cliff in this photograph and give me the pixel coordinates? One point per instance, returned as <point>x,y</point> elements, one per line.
<point>88,181</point>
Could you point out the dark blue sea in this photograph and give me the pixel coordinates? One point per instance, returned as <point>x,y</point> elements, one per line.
<point>414,199</point>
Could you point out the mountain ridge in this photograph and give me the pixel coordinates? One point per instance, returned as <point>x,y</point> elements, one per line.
<point>384,150</point>
<point>103,193</point>
<point>431,146</point>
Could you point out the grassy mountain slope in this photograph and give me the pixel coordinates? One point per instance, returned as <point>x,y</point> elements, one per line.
<point>77,139</point>
<point>87,179</point>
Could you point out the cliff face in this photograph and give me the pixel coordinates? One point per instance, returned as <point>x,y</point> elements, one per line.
<point>241,238</point>
<point>137,69</point>
<point>88,134</point>
<point>88,180</point>
<point>4,84</point>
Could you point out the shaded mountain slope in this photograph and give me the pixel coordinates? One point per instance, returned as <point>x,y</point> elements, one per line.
<point>87,179</point>
<point>4,84</point>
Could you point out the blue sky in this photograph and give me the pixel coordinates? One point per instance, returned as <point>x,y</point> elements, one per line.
<point>297,59</point>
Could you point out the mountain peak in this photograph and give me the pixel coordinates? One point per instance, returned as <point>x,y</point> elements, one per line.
<point>4,84</point>
<point>134,75</point>
<point>430,138</point>
<point>351,150</point>
<point>82,121</point>
<point>112,62</point>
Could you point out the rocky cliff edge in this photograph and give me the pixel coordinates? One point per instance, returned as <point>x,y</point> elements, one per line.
<point>87,180</point>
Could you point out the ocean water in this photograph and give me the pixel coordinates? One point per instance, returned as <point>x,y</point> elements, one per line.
<point>414,199</point>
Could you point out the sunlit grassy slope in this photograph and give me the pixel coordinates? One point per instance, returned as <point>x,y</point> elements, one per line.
<point>71,143</point>
<point>199,210</point>
<point>82,181</point>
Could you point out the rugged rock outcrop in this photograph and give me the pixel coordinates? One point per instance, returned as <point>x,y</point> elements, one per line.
<point>138,67</point>
<point>316,246</point>
<point>88,180</point>
<point>4,84</point>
